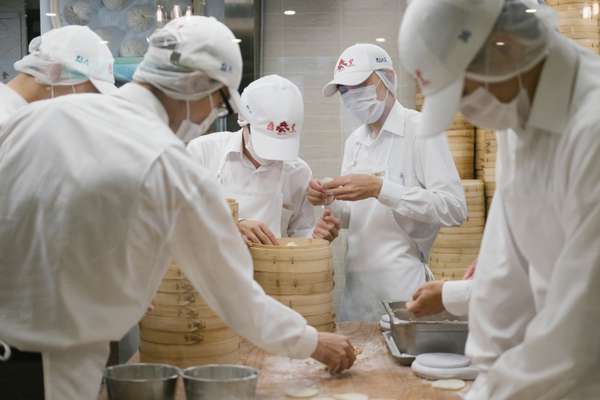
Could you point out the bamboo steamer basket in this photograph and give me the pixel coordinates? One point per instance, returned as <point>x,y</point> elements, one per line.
<point>299,276</point>
<point>215,349</point>
<point>455,248</point>
<point>462,147</point>
<point>186,361</point>
<point>445,274</point>
<point>195,337</point>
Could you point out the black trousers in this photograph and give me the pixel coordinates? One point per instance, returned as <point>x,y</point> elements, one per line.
<point>22,377</point>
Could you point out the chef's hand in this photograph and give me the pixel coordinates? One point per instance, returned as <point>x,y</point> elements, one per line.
<point>316,195</point>
<point>256,232</point>
<point>470,272</point>
<point>328,226</point>
<point>427,300</point>
<point>354,187</point>
<point>335,351</point>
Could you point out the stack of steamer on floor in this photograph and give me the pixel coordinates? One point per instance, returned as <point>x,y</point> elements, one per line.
<point>182,330</point>
<point>488,149</point>
<point>299,274</point>
<point>456,248</point>
<point>579,20</point>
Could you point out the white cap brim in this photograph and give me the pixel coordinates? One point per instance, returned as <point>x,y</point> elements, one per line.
<point>439,109</point>
<point>103,86</point>
<point>347,79</point>
<point>271,148</point>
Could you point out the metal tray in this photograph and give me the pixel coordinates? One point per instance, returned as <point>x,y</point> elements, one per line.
<point>442,332</point>
<point>402,358</point>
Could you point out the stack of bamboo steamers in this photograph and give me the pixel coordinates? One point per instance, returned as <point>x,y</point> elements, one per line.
<point>299,274</point>
<point>181,329</point>
<point>474,154</point>
<point>579,20</point>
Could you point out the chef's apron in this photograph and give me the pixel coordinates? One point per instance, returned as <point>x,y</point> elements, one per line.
<point>265,206</point>
<point>74,373</point>
<point>382,261</point>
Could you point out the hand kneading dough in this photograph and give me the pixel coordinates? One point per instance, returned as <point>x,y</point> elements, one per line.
<point>302,392</point>
<point>449,384</point>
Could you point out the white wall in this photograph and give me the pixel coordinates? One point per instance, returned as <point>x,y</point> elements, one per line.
<point>305,47</point>
<point>13,36</point>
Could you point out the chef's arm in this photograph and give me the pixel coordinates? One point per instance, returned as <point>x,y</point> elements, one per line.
<point>207,246</point>
<point>440,199</point>
<point>561,346</point>
<point>456,296</point>
<point>502,302</point>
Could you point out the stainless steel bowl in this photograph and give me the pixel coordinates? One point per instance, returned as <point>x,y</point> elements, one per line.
<point>141,381</point>
<point>223,382</point>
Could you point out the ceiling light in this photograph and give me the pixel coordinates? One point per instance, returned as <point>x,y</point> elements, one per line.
<point>531,10</point>
<point>499,43</point>
<point>50,14</point>
<point>380,39</point>
<point>289,12</point>
<point>236,40</point>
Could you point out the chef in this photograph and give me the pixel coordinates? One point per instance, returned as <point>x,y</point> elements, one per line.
<point>71,59</point>
<point>534,309</point>
<point>259,167</point>
<point>395,191</point>
<point>98,193</point>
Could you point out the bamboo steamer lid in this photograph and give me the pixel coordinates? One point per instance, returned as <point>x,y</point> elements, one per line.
<point>185,362</point>
<point>181,323</point>
<point>193,338</point>
<point>200,350</point>
<point>308,255</point>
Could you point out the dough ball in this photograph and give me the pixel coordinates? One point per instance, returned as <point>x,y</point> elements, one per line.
<point>115,4</point>
<point>140,18</point>
<point>351,396</point>
<point>302,392</point>
<point>449,384</point>
<point>133,47</point>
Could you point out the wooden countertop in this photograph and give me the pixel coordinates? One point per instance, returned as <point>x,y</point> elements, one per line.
<point>375,372</point>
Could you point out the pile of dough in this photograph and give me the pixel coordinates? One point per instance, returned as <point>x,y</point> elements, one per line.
<point>448,384</point>
<point>133,47</point>
<point>115,4</point>
<point>140,18</point>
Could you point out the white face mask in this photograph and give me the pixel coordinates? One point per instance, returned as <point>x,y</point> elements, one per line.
<point>188,130</point>
<point>364,104</point>
<point>484,110</point>
<point>250,148</point>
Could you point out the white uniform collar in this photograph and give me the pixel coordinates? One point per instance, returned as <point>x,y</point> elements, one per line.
<point>235,143</point>
<point>552,101</point>
<point>138,94</point>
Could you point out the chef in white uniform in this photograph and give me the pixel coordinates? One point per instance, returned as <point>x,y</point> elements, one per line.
<point>71,59</point>
<point>534,310</point>
<point>259,167</point>
<point>395,191</point>
<point>97,195</point>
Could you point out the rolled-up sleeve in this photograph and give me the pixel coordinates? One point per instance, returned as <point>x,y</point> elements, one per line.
<point>207,246</point>
<point>455,297</point>
<point>440,199</point>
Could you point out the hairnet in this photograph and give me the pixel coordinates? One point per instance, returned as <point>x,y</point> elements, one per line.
<point>46,69</point>
<point>162,71</point>
<point>519,39</point>
<point>388,77</point>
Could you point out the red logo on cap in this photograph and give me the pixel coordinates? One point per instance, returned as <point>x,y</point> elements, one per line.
<point>345,64</point>
<point>282,129</point>
<point>422,81</point>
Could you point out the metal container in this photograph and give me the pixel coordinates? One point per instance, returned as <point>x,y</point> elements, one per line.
<point>439,333</point>
<point>223,382</point>
<point>141,381</point>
